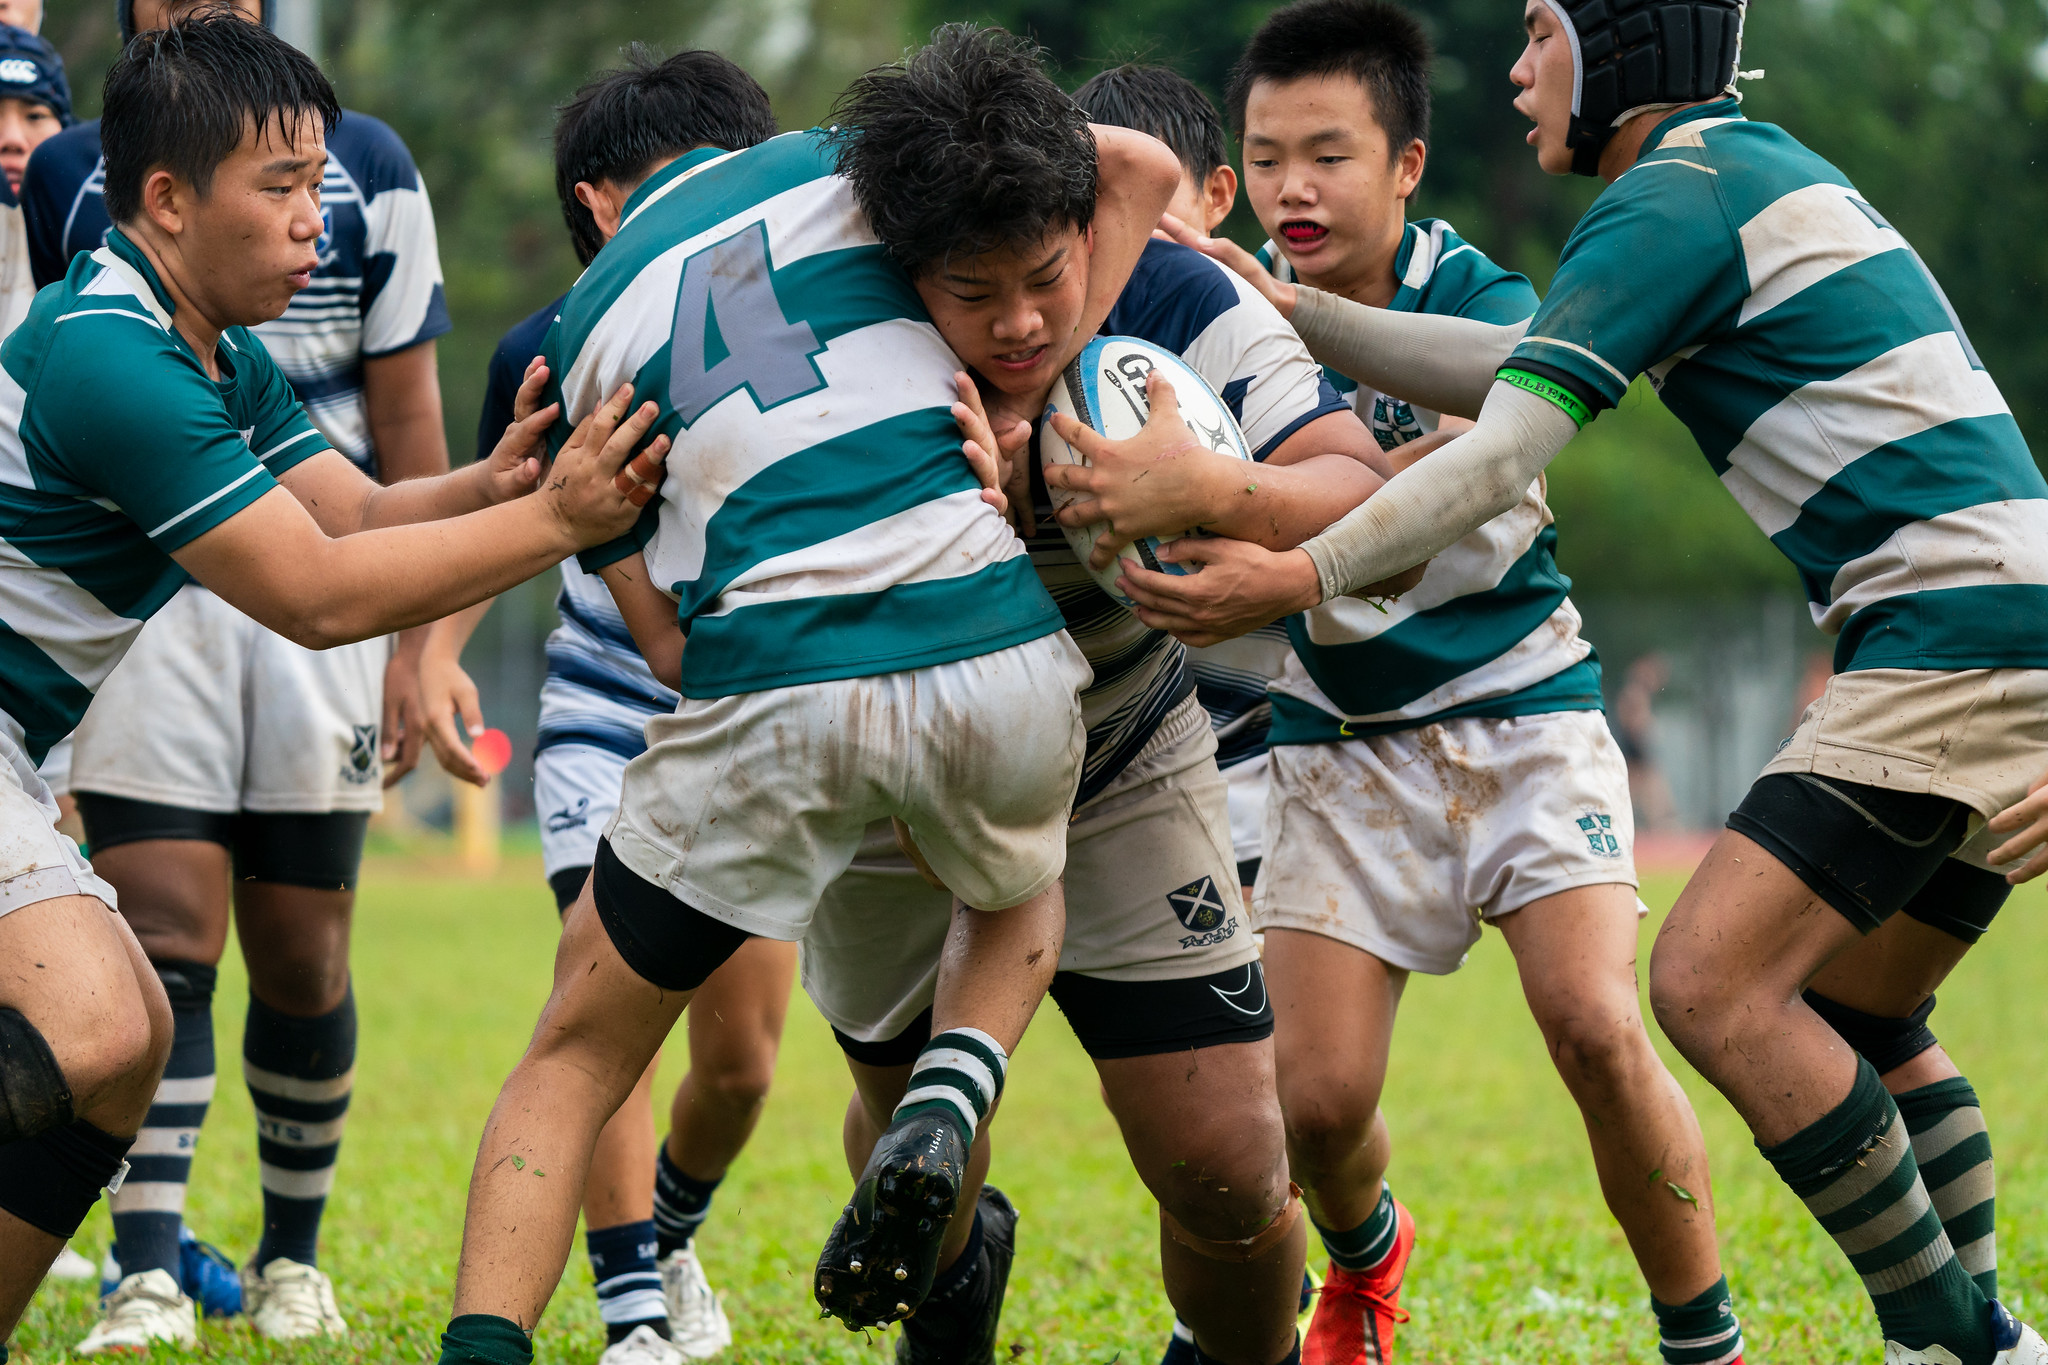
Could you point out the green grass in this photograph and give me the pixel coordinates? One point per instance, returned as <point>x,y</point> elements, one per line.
<point>1518,1260</point>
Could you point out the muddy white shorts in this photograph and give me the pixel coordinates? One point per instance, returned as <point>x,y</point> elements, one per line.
<point>36,862</point>
<point>1402,844</point>
<point>747,807</point>
<point>211,711</point>
<point>1151,894</point>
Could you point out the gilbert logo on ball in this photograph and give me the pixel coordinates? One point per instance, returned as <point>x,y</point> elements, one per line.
<point>1104,389</point>
<point>493,750</point>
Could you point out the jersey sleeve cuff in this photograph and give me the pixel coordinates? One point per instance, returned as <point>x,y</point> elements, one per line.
<point>196,520</point>
<point>1329,403</point>
<point>626,546</point>
<point>1579,399</point>
<point>1596,383</point>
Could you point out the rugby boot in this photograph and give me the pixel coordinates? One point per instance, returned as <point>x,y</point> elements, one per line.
<point>879,1260</point>
<point>2014,1341</point>
<point>290,1301</point>
<point>696,1320</point>
<point>642,1346</point>
<point>957,1325</point>
<point>146,1308</point>
<point>1357,1310</point>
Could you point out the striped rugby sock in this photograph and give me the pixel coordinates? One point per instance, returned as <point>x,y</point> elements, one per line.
<point>1367,1246</point>
<point>1953,1148</point>
<point>681,1203</point>
<point>300,1073</point>
<point>1855,1171</point>
<point>149,1208</point>
<point>628,1283</point>
<point>960,1070</point>
<point>1704,1331</point>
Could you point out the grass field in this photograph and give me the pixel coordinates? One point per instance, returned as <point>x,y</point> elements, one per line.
<point>1518,1260</point>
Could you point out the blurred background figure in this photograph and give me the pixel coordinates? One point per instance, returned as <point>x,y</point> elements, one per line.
<point>1635,730</point>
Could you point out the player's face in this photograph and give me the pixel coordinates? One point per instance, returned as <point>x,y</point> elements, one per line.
<point>1006,312</point>
<point>24,124</point>
<point>1544,72</point>
<point>248,245</point>
<point>26,14</point>
<point>1324,178</point>
<point>153,14</point>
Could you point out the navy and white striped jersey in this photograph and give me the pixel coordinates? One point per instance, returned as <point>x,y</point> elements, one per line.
<point>377,290</point>
<point>598,691</point>
<point>1187,303</point>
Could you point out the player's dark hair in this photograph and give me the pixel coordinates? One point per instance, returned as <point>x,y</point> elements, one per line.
<point>1375,42</point>
<point>1162,102</point>
<point>965,146</point>
<point>181,99</point>
<point>651,109</point>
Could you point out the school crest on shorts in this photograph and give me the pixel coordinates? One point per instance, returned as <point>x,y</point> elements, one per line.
<point>1599,832</point>
<point>1199,906</point>
<point>362,766</point>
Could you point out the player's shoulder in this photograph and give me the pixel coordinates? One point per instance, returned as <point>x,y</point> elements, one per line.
<point>722,184</point>
<point>1174,296</point>
<point>374,155</point>
<point>1441,272</point>
<point>94,340</point>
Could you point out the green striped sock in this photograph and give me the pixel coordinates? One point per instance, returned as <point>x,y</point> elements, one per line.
<point>1854,1169</point>
<point>1366,1246</point>
<point>960,1070</point>
<point>1703,1331</point>
<point>1953,1148</point>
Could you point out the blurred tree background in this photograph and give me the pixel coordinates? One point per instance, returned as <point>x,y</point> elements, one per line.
<point>1934,108</point>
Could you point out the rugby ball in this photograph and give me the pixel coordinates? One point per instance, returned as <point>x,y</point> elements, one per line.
<point>1104,389</point>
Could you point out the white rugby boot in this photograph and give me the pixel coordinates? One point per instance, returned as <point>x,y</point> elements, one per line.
<point>696,1319</point>
<point>2016,1344</point>
<point>69,1265</point>
<point>146,1308</point>
<point>642,1346</point>
<point>287,1301</point>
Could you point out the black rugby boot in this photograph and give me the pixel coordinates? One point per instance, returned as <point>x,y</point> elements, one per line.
<point>879,1260</point>
<point>957,1324</point>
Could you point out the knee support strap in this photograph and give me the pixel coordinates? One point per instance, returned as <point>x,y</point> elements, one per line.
<point>52,1180</point>
<point>1245,1250</point>
<point>34,1096</point>
<point>1885,1043</point>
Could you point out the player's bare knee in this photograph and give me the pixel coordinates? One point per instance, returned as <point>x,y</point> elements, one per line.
<point>1323,1132</point>
<point>742,1088</point>
<point>1598,1054</point>
<point>1226,1188</point>
<point>1687,998</point>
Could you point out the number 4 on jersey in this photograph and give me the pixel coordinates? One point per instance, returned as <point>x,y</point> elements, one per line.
<point>731,334</point>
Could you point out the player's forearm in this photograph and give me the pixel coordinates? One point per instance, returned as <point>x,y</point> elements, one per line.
<point>388,579</point>
<point>1443,363</point>
<point>402,402</point>
<point>1136,176</point>
<point>1280,506</point>
<point>1440,500</point>
<point>455,494</point>
<point>650,616</point>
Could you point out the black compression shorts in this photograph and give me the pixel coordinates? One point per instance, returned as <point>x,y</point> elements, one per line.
<point>322,851</point>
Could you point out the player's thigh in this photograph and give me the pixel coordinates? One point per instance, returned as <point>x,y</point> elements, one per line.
<point>989,767</point>
<point>737,1015</point>
<point>602,1014</point>
<point>1892,970</point>
<point>870,960</point>
<point>1334,1008</point>
<point>81,980</point>
<point>168,725</point>
<point>171,868</point>
<point>1575,951</point>
<point>313,718</point>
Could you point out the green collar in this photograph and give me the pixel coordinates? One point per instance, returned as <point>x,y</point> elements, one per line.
<point>118,243</point>
<point>1727,107</point>
<point>687,162</point>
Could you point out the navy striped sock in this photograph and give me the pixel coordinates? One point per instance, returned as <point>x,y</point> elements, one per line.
<point>1704,1331</point>
<point>681,1203</point>
<point>1367,1246</point>
<point>300,1074</point>
<point>149,1208</point>
<point>960,1070</point>
<point>628,1284</point>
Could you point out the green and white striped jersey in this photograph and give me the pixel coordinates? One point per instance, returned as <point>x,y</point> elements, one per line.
<point>817,519</point>
<point>1490,630</point>
<point>1826,379</point>
<point>116,448</point>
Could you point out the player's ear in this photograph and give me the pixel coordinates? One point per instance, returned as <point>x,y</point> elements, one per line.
<point>1219,196</point>
<point>164,200</point>
<point>1408,170</point>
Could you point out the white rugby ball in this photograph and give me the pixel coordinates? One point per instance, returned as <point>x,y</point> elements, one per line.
<point>1105,389</point>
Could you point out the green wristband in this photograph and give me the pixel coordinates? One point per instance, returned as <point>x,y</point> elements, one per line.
<point>1549,389</point>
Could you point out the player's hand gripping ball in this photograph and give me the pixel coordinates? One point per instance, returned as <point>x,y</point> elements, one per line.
<point>1104,389</point>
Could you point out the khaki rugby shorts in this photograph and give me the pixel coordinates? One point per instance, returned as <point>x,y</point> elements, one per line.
<point>1403,844</point>
<point>1151,890</point>
<point>1976,736</point>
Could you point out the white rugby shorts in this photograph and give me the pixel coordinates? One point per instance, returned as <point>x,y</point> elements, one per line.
<point>1248,784</point>
<point>575,793</point>
<point>211,711</point>
<point>1403,844</point>
<point>37,863</point>
<point>1151,890</point>
<point>747,807</point>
